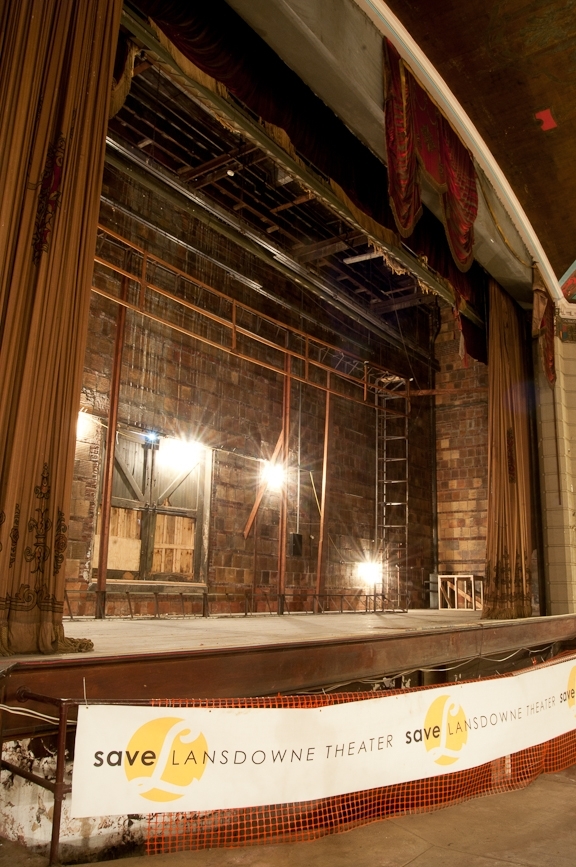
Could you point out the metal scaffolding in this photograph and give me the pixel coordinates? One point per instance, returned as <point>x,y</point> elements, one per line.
<point>392,491</point>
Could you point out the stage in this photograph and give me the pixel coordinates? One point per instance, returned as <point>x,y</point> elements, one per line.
<point>115,636</point>
<point>266,654</point>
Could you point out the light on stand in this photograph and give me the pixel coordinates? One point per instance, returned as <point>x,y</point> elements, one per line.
<point>179,454</point>
<point>370,572</point>
<point>84,426</point>
<point>273,475</point>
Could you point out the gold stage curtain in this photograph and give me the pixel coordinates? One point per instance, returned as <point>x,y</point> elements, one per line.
<point>55,80</point>
<point>508,543</point>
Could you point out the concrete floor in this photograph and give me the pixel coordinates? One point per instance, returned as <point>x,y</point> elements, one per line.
<point>535,827</point>
<point>115,635</point>
<point>532,827</point>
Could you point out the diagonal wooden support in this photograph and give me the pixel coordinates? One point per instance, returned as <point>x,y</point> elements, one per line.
<point>262,488</point>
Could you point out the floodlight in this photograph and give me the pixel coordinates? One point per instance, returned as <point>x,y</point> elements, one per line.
<point>84,426</point>
<point>274,475</point>
<point>179,454</point>
<point>370,572</point>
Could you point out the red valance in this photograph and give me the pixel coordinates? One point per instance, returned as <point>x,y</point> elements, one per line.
<point>420,139</point>
<point>569,289</point>
<point>216,39</point>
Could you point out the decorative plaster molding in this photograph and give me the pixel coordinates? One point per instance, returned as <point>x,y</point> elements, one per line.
<point>566,331</point>
<point>565,309</point>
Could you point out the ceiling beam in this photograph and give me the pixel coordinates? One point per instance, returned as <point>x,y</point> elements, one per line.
<point>319,249</point>
<point>402,303</point>
<point>229,169</point>
<point>246,125</point>
<point>299,200</point>
<point>141,67</point>
<point>154,177</point>
<point>194,173</point>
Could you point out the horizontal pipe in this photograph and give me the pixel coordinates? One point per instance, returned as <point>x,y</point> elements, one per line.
<point>160,182</point>
<point>34,778</point>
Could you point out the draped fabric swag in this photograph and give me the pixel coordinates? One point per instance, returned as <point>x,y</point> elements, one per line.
<point>428,240</point>
<point>508,542</point>
<point>126,51</point>
<point>55,80</point>
<point>213,45</point>
<point>224,47</point>
<point>420,139</point>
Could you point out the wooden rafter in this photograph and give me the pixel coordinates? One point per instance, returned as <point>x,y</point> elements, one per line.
<point>402,303</point>
<point>262,488</point>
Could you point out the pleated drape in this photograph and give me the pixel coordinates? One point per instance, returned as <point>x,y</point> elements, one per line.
<point>55,79</point>
<point>419,140</point>
<point>508,542</point>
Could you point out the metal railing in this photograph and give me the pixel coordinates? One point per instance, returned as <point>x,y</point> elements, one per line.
<point>58,787</point>
<point>461,592</point>
<point>150,604</point>
<point>67,711</point>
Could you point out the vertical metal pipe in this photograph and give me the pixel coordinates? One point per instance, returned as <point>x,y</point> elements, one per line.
<point>282,529</point>
<point>109,463</point>
<point>59,785</point>
<point>433,592</point>
<point>321,547</point>
<point>377,541</point>
<point>254,577</point>
<point>298,492</point>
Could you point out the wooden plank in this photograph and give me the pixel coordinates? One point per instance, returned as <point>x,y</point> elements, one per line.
<point>175,484</point>
<point>132,483</point>
<point>262,488</point>
<point>173,544</point>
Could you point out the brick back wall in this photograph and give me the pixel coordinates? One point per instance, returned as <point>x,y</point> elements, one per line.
<point>461,455</point>
<point>420,499</point>
<point>351,490</point>
<point>179,386</point>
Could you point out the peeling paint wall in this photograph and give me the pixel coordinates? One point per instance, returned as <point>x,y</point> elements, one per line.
<point>26,813</point>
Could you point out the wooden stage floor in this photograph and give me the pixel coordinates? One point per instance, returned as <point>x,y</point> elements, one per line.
<point>124,636</point>
<point>266,654</point>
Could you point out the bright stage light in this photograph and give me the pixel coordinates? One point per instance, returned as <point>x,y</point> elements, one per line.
<point>274,475</point>
<point>179,455</point>
<point>84,426</point>
<point>370,572</point>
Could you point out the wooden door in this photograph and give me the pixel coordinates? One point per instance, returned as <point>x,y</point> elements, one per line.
<point>158,516</point>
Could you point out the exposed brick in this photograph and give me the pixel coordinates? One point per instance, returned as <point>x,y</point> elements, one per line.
<point>461,456</point>
<point>179,386</point>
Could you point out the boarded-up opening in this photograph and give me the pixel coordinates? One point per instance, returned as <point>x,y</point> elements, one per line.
<point>125,542</point>
<point>174,546</point>
<point>157,509</point>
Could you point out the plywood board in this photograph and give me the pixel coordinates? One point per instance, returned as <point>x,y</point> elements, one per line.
<point>174,545</point>
<point>123,554</point>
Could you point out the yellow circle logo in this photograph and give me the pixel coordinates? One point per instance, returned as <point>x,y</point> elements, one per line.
<point>571,689</point>
<point>163,758</point>
<point>445,730</point>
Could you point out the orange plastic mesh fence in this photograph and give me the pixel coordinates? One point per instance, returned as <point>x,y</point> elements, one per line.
<point>307,820</point>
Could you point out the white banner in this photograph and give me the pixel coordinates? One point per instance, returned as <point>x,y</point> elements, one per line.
<point>150,759</point>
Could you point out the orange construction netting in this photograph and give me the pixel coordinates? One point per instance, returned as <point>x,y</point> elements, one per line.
<point>307,820</point>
